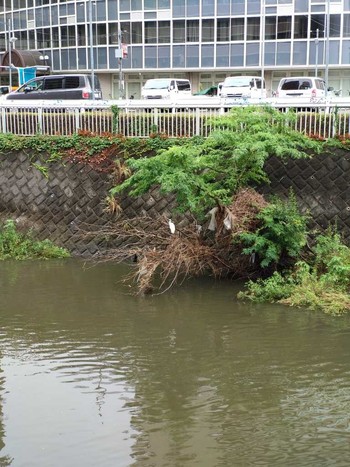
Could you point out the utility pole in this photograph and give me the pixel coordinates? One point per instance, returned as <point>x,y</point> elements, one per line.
<point>10,52</point>
<point>317,41</point>
<point>92,64</point>
<point>120,62</point>
<point>327,46</point>
<point>262,44</point>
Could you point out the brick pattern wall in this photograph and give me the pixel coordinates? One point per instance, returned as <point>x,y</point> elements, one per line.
<point>71,199</point>
<point>321,186</point>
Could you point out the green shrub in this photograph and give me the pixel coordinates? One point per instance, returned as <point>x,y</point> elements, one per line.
<point>282,233</point>
<point>16,245</point>
<point>332,259</point>
<point>321,285</point>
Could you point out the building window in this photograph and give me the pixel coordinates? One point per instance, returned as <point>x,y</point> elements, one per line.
<point>55,37</point>
<point>208,7</point>
<point>299,53</point>
<point>151,57</point>
<point>334,26</point>
<point>237,7</point>
<point>81,39</point>
<point>208,30</point>
<point>300,27</point>
<point>252,55</point>
<point>150,32</point>
<point>223,7</point>
<point>178,56</point>
<point>113,33</point>
<point>164,32</point>
<point>284,27</point>
<point>136,57</point>
<point>179,32</point>
<point>222,55</point>
<point>192,56</point>
<point>334,48</point>
<point>207,55</point>
<point>270,27</point>
<point>253,29</point>
<point>283,53</point>
<point>124,5</point>
<point>346,26</point>
<point>192,8</point>
<point>346,52</point>
<point>68,36</point>
<point>237,29</point>
<point>192,30</point>
<point>136,5</point>
<point>150,4</point>
<point>179,8</point>
<point>163,4</point>
<point>237,55</point>
<point>253,7</point>
<point>317,22</point>
<point>164,57</point>
<point>101,36</point>
<point>223,30</point>
<point>136,33</point>
<point>270,53</point>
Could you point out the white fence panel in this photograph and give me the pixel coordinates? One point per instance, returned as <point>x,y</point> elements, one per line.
<point>142,118</point>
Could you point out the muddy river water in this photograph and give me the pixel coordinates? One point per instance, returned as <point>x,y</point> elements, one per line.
<point>91,375</point>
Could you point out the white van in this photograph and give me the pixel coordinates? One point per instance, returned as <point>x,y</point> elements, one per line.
<point>243,87</point>
<point>301,86</point>
<point>166,88</point>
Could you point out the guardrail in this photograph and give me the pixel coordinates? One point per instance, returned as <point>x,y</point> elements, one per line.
<point>141,118</point>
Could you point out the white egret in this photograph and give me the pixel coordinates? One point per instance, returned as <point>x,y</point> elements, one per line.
<point>171,226</point>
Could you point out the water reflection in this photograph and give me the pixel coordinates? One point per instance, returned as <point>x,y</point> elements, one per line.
<point>94,376</point>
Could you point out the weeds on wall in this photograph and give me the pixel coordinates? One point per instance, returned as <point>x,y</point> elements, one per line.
<point>101,152</point>
<point>320,283</point>
<point>22,245</point>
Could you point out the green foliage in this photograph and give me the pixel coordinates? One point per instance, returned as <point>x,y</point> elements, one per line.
<point>115,119</point>
<point>267,131</point>
<point>282,233</point>
<point>272,289</point>
<point>208,172</point>
<point>16,245</point>
<point>322,285</point>
<point>332,259</point>
<point>45,150</point>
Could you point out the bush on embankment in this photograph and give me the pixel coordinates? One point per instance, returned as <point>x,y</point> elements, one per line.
<point>245,235</point>
<point>22,245</point>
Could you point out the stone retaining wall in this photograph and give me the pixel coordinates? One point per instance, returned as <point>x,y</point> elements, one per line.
<point>71,199</point>
<point>321,185</point>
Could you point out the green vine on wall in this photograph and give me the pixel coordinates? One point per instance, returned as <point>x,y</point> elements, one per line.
<point>115,119</point>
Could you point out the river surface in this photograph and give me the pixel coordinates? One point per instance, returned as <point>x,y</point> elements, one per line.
<point>91,375</point>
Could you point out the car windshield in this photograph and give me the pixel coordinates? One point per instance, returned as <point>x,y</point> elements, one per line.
<point>296,84</point>
<point>238,82</point>
<point>33,85</point>
<point>157,84</point>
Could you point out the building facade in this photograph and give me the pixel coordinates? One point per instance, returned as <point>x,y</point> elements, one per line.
<point>202,40</point>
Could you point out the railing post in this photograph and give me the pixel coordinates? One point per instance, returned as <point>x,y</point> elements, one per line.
<point>77,119</point>
<point>40,120</point>
<point>222,108</point>
<point>198,122</point>
<point>155,117</point>
<point>3,120</point>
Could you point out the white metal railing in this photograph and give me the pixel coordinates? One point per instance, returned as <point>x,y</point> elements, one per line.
<point>141,118</point>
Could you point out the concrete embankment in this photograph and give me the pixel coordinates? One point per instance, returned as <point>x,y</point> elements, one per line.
<point>71,198</point>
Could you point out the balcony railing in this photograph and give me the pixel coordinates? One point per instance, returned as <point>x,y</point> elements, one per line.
<point>142,118</point>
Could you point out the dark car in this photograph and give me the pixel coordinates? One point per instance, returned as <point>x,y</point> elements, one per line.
<point>211,91</point>
<point>58,87</point>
